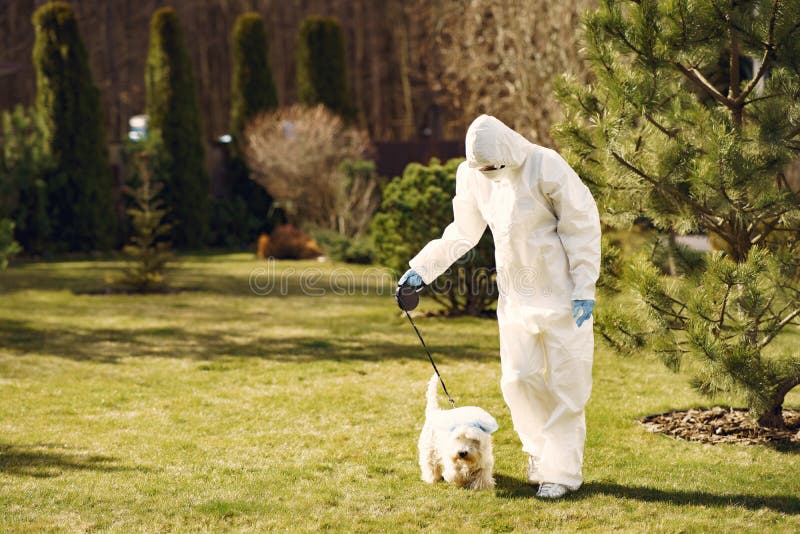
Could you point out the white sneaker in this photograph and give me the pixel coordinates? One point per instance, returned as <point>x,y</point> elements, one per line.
<point>551,490</point>
<point>533,471</point>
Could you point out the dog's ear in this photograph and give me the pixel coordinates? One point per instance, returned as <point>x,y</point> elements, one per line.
<point>484,428</point>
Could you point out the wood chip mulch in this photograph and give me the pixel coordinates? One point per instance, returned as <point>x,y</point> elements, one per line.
<point>723,425</point>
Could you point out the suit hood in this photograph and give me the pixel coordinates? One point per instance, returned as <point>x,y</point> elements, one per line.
<point>490,142</point>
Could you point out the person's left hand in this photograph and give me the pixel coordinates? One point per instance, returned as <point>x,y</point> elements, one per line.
<point>582,310</point>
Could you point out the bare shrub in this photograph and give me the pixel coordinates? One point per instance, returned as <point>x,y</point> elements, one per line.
<point>501,57</point>
<point>295,153</point>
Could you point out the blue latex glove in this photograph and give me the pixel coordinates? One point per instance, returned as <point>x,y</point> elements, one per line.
<point>582,310</point>
<point>410,278</point>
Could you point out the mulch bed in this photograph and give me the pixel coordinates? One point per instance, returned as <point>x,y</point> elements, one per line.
<point>723,425</point>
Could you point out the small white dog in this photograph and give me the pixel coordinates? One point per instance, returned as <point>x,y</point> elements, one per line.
<point>456,445</point>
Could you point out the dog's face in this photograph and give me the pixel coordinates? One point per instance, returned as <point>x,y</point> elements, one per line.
<point>465,448</point>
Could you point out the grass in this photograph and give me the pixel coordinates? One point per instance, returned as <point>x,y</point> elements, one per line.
<point>216,409</point>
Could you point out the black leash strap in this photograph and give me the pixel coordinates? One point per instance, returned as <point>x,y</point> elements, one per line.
<point>449,398</point>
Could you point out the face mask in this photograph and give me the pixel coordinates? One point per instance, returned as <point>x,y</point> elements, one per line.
<point>496,173</point>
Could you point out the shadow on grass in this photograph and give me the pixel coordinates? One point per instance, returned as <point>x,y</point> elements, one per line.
<point>110,345</point>
<point>35,462</point>
<point>512,488</point>
<point>92,278</point>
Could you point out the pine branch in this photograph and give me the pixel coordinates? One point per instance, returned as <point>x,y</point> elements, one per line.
<point>769,47</point>
<point>698,79</point>
<point>778,327</point>
<point>724,306</point>
<point>708,214</point>
<point>669,133</point>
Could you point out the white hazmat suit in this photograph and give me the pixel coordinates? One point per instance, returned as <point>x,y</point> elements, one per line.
<point>546,233</point>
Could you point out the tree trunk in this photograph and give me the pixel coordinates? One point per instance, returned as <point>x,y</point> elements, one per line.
<point>772,417</point>
<point>733,84</point>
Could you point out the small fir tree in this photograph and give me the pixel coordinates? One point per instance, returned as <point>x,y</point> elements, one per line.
<point>321,65</point>
<point>656,138</point>
<point>148,249</point>
<point>174,114</point>
<point>80,187</point>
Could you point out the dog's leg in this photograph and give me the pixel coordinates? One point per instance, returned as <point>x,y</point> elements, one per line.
<point>428,460</point>
<point>431,471</point>
<point>483,480</point>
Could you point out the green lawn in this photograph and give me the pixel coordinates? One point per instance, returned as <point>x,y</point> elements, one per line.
<point>217,409</point>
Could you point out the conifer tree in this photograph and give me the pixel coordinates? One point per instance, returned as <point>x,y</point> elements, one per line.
<point>8,247</point>
<point>24,165</point>
<point>252,92</point>
<point>321,65</point>
<point>148,250</point>
<point>252,86</point>
<point>655,137</point>
<point>174,115</point>
<point>80,188</point>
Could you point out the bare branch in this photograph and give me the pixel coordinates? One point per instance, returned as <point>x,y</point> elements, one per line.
<point>697,77</point>
<point>673,191</point>
<point>765,59</point>
<point>669,133</point>
<point>778,327</point>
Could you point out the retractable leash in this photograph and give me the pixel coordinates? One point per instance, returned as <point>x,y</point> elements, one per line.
<point>408,298</point>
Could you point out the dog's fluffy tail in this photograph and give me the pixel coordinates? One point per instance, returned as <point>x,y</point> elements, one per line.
<point>433,401</point>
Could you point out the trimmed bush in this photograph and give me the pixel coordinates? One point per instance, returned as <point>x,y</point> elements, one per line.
<point>321,65</point>
<point>400,231</point>
<point>340,247</point>
<point>173,114</point>
<point>80,186</point>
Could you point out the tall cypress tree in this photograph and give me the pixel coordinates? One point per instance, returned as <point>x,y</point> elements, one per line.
<point>321,65</point>
<point>174,114</point>
<point>252,87</point>
<point>657,137</point>
<point>80,187</point>
<point>238,220</point>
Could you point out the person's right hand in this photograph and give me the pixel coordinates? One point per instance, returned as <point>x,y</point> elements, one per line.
<point>410,278</point>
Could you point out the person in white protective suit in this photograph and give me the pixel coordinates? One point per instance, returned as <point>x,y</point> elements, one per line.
<point>546,233</point>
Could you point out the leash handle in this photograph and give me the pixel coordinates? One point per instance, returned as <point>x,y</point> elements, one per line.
<point>441,381</point>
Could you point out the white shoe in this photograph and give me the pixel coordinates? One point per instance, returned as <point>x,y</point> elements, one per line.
<point>533,471</point>
<point>551,490</point>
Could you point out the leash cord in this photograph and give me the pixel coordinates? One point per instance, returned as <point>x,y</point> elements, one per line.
<point>441,381</point>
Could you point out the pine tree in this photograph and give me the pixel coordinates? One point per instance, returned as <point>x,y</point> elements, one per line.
<point>80,188</point>
<point>174,114</point>
<point>321,65</point>
<point>148,250</point>
<point>670,130</point>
